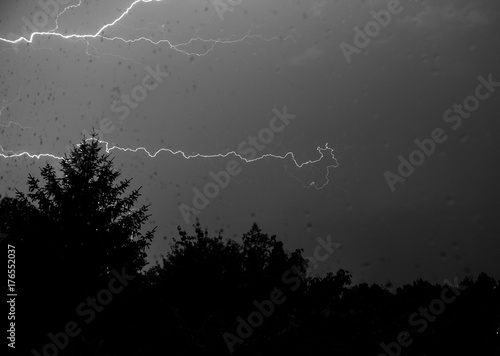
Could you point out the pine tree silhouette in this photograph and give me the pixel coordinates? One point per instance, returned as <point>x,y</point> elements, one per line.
<point>70,233</point>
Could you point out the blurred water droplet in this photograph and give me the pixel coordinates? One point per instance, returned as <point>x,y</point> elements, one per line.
<point>309,227</point>
<point>443,255</point>
<point>472,47</point>
<point>450,201</point>
<point>464,138</point>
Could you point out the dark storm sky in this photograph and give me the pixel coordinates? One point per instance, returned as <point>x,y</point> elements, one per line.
<point>228,74</point>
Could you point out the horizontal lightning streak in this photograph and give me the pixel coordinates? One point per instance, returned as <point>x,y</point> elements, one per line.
<point>153,155</point>
<point>100,35</point>
<point>12,154</point>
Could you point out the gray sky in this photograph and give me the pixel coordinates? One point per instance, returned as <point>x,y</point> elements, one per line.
<point>227,74</point>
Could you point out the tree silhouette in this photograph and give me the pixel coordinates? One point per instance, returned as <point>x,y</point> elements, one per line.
<point>70,233</point>
<point>73,231</point>
<point>205,283</point>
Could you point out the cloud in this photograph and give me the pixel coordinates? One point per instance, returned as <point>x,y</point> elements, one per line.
<point>309,54</point>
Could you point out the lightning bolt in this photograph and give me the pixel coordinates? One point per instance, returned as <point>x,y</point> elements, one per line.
<point>311,164</point>
<point>100,35</point>
<point>6,104</point>
<point>11,123</point>
<point>210,45</point>
<point>108,149</point>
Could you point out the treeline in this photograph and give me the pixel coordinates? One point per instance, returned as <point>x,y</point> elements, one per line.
<point>82,287</point>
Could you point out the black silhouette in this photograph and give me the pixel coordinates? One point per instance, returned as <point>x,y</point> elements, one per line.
<point>70,234</point>
<point>76,238</point>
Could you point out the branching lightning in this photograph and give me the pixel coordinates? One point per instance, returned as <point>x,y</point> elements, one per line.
<point>100,35</point>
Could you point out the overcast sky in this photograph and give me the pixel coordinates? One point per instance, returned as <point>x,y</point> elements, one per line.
<point>300,77</point>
